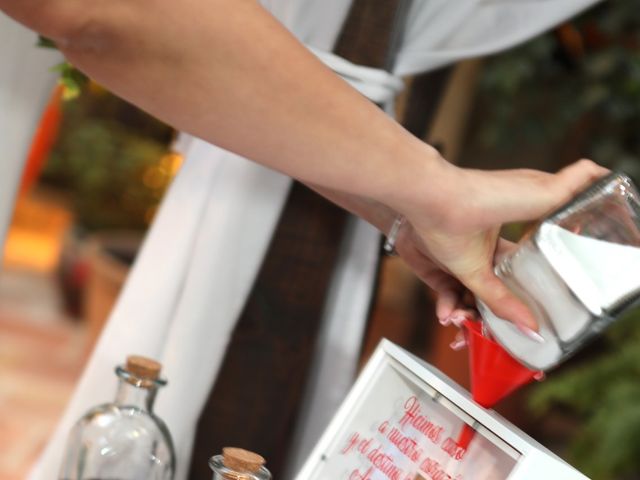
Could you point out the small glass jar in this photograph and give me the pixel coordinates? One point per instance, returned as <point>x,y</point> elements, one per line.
<point>238,464</point>
<point>124,439</point>
<point>578,271</point>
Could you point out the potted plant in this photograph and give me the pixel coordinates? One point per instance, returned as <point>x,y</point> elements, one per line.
<point>113,163</point>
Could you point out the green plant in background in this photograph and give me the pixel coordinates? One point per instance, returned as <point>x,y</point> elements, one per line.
<point>604,394</point>
<point>580,87</point>
<point>72,79</point>
<point>587,85</point>
<point>112,160</point>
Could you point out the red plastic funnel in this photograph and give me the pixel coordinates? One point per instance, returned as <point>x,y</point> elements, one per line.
<point>466,435</point>
<point>494,373</point>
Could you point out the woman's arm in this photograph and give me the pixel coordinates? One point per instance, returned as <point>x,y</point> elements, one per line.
<point>227,71</point>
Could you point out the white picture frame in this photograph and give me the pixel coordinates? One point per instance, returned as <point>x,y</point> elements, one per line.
<point>342,453</point>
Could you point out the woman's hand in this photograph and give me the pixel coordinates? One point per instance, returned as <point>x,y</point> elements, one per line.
<point>452,243</point>
<point>453,250</point>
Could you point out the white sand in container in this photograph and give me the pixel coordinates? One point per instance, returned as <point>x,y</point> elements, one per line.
<point>600,273</point>
<point>571,279</point>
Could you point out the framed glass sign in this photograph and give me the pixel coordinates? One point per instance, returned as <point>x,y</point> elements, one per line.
<point>404,420</point>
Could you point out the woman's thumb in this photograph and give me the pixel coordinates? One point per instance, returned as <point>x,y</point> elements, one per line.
<point>491,290</point>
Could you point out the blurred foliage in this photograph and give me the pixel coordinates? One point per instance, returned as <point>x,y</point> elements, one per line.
<point>44,42</point>
<point>604,394</point>
<point>112,160</point>
<point>585,77</point>
<point>72,79</point>
<point>582,82</point>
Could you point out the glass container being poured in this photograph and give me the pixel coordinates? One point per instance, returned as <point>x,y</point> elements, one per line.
<point>123,440</point>
<point>238,464</point>
<point>578,271</point>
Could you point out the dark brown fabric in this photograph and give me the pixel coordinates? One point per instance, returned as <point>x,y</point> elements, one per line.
<point>256,399</point>
<point>257,395</point>
<point>371,32</point>
<point>424,100</point>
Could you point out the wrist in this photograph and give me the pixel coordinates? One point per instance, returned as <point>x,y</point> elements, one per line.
<point>393,234</point>
<point>424,185</point>
<point>374,212</point>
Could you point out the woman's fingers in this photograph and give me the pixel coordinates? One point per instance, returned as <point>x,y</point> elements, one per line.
<point>446,303</point>
<point>459,316</point>
<point>556,189</point>
<point>492,291</point>
<point>462,250</point>
<point>575,177</point>
<point>498,197</point>
<point>504,248</point>
<point>459,342</point>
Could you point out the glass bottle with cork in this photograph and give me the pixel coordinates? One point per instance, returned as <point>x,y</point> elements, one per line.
<point>124,439</point>
<point>238,464</point>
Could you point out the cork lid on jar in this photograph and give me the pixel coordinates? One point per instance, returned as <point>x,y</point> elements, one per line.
<point>143,371</point>
<point>242,460</point>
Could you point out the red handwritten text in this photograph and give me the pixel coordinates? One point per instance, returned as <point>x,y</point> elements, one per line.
<point>412,416</point>
<point>384,463</point>
<point>356,475</point>
<point>407,445</point>
<point>453,449</point>
<point>435,471</point>
<point>355,442</point>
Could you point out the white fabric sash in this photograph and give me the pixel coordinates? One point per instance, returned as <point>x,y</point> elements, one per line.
<point>377,85</point>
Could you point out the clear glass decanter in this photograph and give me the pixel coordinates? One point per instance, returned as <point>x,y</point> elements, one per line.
<point>577,271</point>
<point>123,440</point>
<point>238,464</point>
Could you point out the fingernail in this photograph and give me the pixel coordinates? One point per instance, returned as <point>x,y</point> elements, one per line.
<point>459,319</point>
<point>539,376</point>
<point>446,321</point>
<point>458,345</point>
<point>531,334</point>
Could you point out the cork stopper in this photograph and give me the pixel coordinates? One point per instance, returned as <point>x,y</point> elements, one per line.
<point>143,367</point>
<point>242,460</point>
